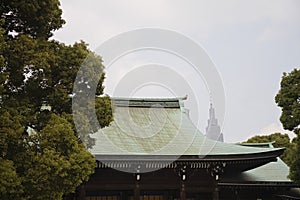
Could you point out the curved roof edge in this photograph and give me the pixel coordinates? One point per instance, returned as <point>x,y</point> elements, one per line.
<point>260,144</point>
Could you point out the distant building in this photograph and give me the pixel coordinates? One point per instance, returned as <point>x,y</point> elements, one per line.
<point>213,130</point>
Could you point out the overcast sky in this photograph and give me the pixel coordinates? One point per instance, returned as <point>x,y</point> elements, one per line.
<point>251,43</point>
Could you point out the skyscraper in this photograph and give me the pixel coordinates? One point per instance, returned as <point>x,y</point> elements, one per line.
<point>213,130</point>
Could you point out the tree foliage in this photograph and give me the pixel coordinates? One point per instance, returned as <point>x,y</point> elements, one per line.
<point>41,154</point>
<point>58,158</point>
<point>288,98</point>
<point>295,166</point>
<point>10,182</point>
<point>36,18</point>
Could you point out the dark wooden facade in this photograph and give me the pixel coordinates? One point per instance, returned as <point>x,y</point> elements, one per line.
<point>166,183</point>
<point>180,180</point>
<point>161,184</point>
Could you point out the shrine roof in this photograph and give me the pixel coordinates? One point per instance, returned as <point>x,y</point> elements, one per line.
<point>161,126</point>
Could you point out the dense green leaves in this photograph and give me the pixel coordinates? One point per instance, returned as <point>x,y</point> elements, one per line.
<point>288,98</point>
<point>3,47</point>
<point>35,17</point>
<point>57,157</point>
<point>41,155</point>
<point>295,157</point>
<point>10,182</point>
<point>11,131</point>
<point>10,146</point>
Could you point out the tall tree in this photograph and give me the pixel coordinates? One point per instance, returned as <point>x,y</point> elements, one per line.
<point>39,143</point>
<point>288,98</point>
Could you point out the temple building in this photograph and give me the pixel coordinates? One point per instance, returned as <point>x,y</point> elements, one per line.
<point>152,151</point>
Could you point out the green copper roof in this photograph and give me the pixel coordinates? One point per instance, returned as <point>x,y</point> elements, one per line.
<point>159,127</point>
<point>273,172</point>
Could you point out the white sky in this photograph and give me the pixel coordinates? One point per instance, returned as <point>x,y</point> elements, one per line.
<point>251,42</point>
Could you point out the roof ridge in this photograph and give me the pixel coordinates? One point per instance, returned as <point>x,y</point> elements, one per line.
<point>152,99</point>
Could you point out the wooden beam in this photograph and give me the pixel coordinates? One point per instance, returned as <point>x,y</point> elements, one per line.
<point>182,190</point>
<point>216,193</point>
<point>137,191</point>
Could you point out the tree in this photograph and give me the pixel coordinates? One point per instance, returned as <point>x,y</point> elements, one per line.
<point>288,98</point>
<point>281,140</point>
<point>291,152</point>
<point>3,46</point>
<point>57,157</point>
<point>40,148</point>
<point>36,18</point>
<point>10,182</point>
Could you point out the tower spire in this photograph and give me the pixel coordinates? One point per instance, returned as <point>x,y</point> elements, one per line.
<point>213,130</point>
